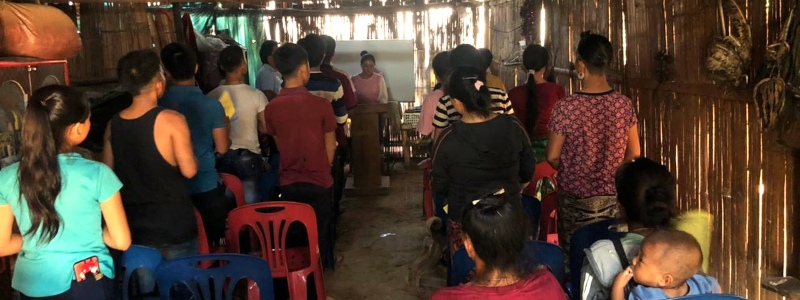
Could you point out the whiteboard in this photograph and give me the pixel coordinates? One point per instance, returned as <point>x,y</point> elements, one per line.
<point>393,58</point>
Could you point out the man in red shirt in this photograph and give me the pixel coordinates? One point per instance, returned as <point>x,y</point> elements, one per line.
<point>303,126</point>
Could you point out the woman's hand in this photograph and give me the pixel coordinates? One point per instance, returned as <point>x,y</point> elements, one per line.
<point>620,282</point>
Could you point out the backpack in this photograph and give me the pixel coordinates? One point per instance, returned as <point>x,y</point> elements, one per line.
<point>604,260</point>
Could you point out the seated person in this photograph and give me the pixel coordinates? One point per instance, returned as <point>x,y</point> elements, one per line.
<point>495,231</point>
<point>667,267</point>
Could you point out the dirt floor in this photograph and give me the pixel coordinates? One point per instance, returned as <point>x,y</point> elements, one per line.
<point>376,267</point>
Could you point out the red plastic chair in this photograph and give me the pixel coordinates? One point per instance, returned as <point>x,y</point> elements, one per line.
<point>270,221</point>
<point>548,221</point>
<point>235,185</point>
<point>542,171</point>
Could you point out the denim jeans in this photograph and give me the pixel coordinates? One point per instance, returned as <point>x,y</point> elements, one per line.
<point>246,165</point>
<point>145,280</point>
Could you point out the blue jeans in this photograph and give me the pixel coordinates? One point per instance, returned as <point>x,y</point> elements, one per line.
<point>246,165</point>
<point>145,280</point>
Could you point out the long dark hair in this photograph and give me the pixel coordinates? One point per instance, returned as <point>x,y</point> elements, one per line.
<point>51,110</point>
<point>498,229</point>
<point>534,59</point>
<point>646,191</point>
<point>461,86</point>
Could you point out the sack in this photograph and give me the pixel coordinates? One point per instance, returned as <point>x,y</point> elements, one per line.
<point>38,31</point>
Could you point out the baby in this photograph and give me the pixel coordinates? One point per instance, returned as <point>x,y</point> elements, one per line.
<point>666,267</point>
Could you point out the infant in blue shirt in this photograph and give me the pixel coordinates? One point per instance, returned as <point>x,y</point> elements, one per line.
<point>667,267</point>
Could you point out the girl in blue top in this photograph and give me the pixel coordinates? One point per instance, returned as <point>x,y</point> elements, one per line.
<point>57,199</point>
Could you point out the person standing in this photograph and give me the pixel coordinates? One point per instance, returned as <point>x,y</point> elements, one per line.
<point>209,134</point>
<point>482,153</point>
<point>534,101</point>
<point>244,158</point>
<point>67,208</point>
<point>150,149</point>
<point>486,63</point>
<point>331,89</point>
<point>268,80</point>
<point>327,68</point>
<point>441,68</point>
<point>370,86</point>
<point>304,127</point>
<point>446,113</point>
<point>591,133</point>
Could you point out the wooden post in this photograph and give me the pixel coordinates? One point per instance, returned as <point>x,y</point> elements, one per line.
<point>178,20</point>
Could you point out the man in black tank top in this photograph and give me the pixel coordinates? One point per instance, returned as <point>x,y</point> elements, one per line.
<point>150,150</point>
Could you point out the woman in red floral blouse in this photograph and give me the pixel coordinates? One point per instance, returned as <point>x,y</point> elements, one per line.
<point>591,134</point>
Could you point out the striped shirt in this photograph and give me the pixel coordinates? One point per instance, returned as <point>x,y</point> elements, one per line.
<point>330,88</point>
<point>446,113</point>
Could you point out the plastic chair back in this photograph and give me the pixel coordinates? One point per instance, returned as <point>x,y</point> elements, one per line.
<point>461,265</point>
<point>219,280</point>
<point>234,184</point>
<point>712,297</point>
<point>583,238</point>
<point>137,257</point>
<point>270,221</point>
<point>549,255</point>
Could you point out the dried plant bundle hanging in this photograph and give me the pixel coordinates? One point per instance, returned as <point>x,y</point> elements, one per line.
<point>770,93</point>
<point>770,97</point>
<point>729,56</point>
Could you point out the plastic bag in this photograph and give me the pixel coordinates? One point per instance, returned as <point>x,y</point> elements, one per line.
<point>38,31</point>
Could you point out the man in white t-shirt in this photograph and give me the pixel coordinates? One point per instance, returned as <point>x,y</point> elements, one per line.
<point>244,160</point>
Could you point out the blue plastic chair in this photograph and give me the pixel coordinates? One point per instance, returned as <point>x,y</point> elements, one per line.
<point>542,252</point>
<point>712,297</point>
<point>138,257</point>
<point>583,238</point>
<point>235,267</point>
<point>549,255</point>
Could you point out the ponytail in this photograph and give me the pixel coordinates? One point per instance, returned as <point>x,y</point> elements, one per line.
<point>50,111</point>
<point>534,58</point>
<point>468,85</point>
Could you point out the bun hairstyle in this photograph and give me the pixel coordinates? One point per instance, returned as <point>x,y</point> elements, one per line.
<point>596,52</point>
<point>498,229</point>
<point>365,56</point>
<point>50,111</point>
<point>467,85</point>
<point>646,190</point>
<point>534,59</point>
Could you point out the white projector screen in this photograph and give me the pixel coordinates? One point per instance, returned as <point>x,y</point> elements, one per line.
<point>393,58</point>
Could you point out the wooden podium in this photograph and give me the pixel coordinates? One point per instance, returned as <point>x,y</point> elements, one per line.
<point>365,159</point>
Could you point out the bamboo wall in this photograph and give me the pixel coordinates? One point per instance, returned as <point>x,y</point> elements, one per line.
<point>109,31</point>
<point>709,137</point>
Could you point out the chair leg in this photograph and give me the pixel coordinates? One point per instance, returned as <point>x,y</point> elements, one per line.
<point>298,287</point>
<point>253,291</point>
<point>319,282</point>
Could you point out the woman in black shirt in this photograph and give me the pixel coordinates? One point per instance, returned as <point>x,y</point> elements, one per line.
<point>483,153</point>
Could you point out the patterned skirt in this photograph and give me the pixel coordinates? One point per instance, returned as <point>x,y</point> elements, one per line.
<point>574,212</point>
